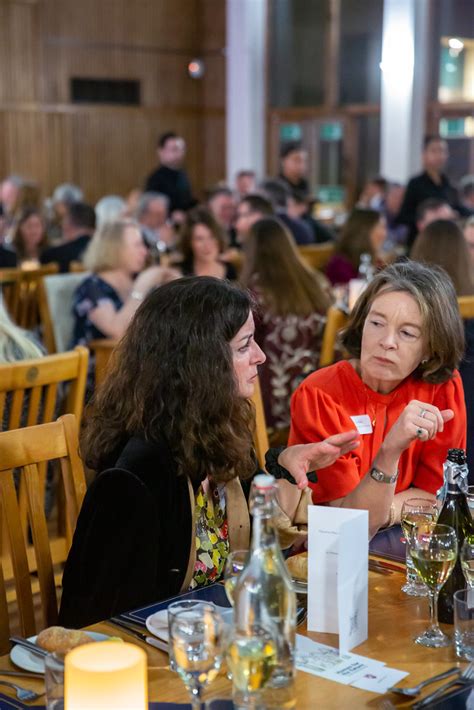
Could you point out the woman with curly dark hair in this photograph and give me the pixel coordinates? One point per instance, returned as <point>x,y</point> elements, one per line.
<point>170,436</point>
<point>202,244</point>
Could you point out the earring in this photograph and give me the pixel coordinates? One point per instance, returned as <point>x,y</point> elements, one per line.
<point>423,362</point>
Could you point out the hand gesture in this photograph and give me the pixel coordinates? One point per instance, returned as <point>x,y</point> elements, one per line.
<point>419,420</point>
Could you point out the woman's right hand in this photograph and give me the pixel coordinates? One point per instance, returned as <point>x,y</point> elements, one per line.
<point>416,417</point>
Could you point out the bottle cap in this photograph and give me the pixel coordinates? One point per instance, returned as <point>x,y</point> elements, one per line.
<point>457,456</point>
<point>263,480</point>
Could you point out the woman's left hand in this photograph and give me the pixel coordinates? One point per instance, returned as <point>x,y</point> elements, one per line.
<point>301,458</point>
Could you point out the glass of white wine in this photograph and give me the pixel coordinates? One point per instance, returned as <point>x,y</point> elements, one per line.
<point>434,551</point>
<point>467,560</point>
<point>414,511</point>
<point>234,565</point>
<point>251,658</point>
<point>198,637</point>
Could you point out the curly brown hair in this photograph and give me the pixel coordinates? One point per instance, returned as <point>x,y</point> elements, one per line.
<point>173,378</point>
<point>434,293</point>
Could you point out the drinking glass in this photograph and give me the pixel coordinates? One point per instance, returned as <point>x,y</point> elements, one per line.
<point>467,560</point>
<point>54,681</point>
<point>434,550</point>
<point>183,605</point>
<point>464,623</point>
<point>234,565</point>
<point>198,641</point>
<point>415,510</point>
<point>470,499</point>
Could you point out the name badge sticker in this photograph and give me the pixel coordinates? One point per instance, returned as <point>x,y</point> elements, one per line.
<point>362,423</point>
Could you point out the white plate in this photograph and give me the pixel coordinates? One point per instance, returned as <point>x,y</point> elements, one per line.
<point>29,661</point>
<point>157,624</point>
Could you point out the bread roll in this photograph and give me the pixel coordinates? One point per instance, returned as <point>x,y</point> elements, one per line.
<point>57,639</point>
<point>298,566</point>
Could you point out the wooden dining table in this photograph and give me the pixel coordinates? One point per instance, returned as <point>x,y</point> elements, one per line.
<point>394,620</point>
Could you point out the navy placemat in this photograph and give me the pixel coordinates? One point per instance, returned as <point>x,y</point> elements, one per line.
<point>7,703</point>
<point>388,543</point>
<point>213,593</point>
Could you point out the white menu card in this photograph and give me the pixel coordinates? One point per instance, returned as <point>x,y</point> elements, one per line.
<point>338,552</point>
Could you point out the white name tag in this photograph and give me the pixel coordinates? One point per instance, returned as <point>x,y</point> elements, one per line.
<point>362,423</point>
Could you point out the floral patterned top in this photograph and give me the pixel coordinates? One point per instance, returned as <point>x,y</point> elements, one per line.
<point>212,535</point>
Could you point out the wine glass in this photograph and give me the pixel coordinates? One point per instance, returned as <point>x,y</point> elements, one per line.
<point>234,565</point>
<point>467,560</point>
<point>198,640</point>
<point>415,510</point>
<point>434,551</point>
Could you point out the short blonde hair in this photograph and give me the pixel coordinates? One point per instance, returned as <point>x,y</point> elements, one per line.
<point>103,252</point>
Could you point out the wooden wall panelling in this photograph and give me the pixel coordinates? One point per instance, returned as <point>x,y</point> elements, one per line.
<point>18,51</point>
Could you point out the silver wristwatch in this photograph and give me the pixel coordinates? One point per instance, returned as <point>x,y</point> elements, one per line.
<point>382,477</point>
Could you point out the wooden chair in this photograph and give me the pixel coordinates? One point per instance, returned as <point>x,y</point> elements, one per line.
<point>55,298</point>
<point>260,437</point>
<point>102,350</point>
<point>316,255</point>
<point>336,320</point>
<point>20,288</point>
<point>23,450</point>
<point>466,306</point>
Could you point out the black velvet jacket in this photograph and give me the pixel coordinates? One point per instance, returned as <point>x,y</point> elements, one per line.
<point>133,537</point>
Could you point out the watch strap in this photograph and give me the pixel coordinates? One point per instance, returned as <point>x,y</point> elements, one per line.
<point>382,477</point>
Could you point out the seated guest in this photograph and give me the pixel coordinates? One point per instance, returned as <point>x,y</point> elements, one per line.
<point>250,209</point>
<point>222,206</point>
<point>466,190</point>
<point>294,167</point>
<point>442,243</point>
<point>299,208</point>
<point>245,183</point>
<point>291,315</point>
<point>29,238</point>
<point>169,436</point>
<point>201,244</point>
<point>152,216</point>
<point>279,194</point>
<point>363,233</point>
<point>469,237</point>
<point>109,208</point>
<point>400,388</point>
<point>63,196</point>
<point>105,302</point>
<point>78,226</point>
<point>7,258</point>
<point>373,194</point>
<point>430,210</point>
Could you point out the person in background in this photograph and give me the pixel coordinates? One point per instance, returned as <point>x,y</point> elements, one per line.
<point>152,215</point>
<point>279,194</point>
<point>294,167</point>
<point>401,388</point>
<point>170,178</point>
<point>466,190</point>
<point>396,233</point>
<point>170,439</point>
<point>431,210</point>
<point>292,304</point>
<point>299,207</point>
<point>202,243</point>
<point>222,206</point>
<point>363,233</point>
<point>7,256</point>
<point>9,193</point>
<point>78,226</point>
<point>442,243</point>
<point>373,195</point>
<point>109,208</point>
<point>245,183</point>
<point>431,183</point>
<point>469,237</point>
<point>29,238</point>
<point>63,196</point>
<point>250,209</point>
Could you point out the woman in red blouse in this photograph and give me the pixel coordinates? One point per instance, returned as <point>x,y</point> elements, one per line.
<point>400,389</point>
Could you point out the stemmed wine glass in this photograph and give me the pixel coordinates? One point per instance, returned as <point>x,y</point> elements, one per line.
<point>234,565</point>
<point>198,638</point>
<point>434,551</point>
<point>467,560</point>
<point>414,511</point>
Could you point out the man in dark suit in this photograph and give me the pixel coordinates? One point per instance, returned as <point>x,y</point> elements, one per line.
<point>78,227</point>
<point>170,179</point>
<point>432,183</point>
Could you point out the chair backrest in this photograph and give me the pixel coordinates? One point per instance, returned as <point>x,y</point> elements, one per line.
<point>466,306</point>
<point>21,451</point>
<point>316,255</point>
<point>260,436</point>
<point>102,349</point>
<point>20,289</point>
<point>29,388</point>
<point>335,320</point>
<point>56,294</point>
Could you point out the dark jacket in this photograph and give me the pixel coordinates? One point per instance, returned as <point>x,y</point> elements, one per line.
<point>65,253</point>
<point>174,184</point>
<point>7,258</point>
<point>134,540</point>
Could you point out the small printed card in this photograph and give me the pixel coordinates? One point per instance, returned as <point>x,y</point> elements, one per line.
<point>338,550</point>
